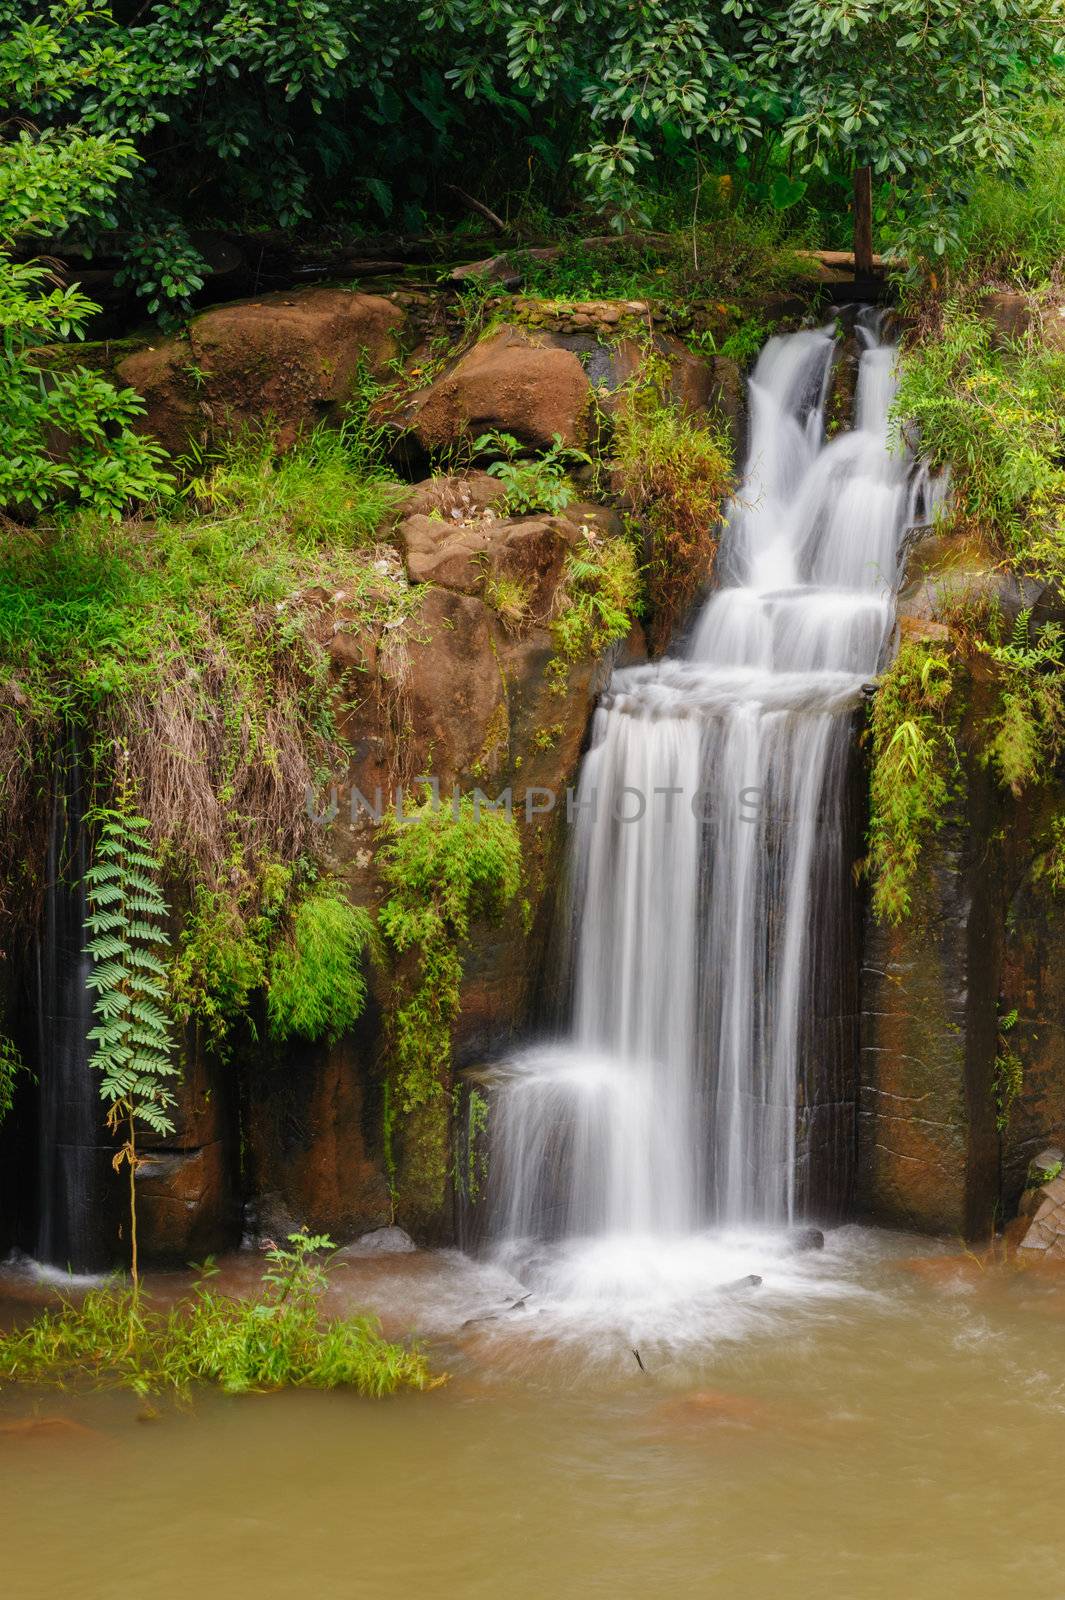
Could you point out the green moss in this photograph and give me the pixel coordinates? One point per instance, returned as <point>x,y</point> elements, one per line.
<point>445,869</point>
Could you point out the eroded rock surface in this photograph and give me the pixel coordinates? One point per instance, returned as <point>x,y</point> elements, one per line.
<point>285,360</point>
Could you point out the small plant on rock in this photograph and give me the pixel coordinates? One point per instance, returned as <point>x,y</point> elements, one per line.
<point>537,484</point>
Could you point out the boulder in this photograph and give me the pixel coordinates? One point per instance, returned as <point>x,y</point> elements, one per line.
<point>528,551</point>
<point>1010,313</point>
<point>443,553</point>
<point>388,1241</point>
<point>454,496</point>
<point>290,357</point>
<point>531,552</point>
<point>800,1240</point>
<point>1045,1236</point>
<point>510,382</point>
<point>174,409</point>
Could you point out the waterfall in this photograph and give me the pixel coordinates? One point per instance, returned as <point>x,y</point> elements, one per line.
<point>74,1149</point>
<point>709,820</point>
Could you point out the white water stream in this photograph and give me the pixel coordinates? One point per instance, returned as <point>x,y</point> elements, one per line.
<point>710,822</point>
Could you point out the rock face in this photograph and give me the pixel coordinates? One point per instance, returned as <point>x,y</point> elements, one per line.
<point>311,1141</point>
<point>187,1201</point>
<point>510,382</point>
<point>285,360</point>
<point>985,938</point>
<point>453,689</point>
<point>927,1153</point>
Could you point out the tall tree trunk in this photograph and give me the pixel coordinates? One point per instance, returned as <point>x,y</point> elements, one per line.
<point>863,222</point>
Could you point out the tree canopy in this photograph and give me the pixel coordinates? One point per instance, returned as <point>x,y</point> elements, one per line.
<point>269,112</point>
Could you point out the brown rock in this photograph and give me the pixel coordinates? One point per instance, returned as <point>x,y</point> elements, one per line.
<point>456,497</point>
<point>532,552</point>
<point>290,357</point>
<point>510,383</point>
<point>1054,328</point>
<point>1046,1233</point>
<point>306,1146</point>
<point>174,409</point>
<point>184,1203</point>
<point>439,552</point>
<point>1010,313</point>
<point>441,668</point>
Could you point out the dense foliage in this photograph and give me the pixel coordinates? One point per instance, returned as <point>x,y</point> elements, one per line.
<point>317,989</point>
<point>914,766</point>
<point>270,115</point>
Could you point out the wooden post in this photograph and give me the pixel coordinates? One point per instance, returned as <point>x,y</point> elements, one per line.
<point>863,222</point>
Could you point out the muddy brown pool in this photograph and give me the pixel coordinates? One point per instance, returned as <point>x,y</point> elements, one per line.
<point>877,1421</point>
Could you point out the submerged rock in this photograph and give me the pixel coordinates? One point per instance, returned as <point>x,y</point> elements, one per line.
<point>803,1239</point>
<point>751,1281</point>
<point>391,1241</point>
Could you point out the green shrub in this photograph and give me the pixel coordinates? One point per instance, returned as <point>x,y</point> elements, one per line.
<point>1024,737</point>
<point>996,417</point>
<point>317,988</point>
<point>11,1065</point>
<point>914,769</point>
<point>279,1339</point>
<point>676,474</point>
<point>599,598</point>
<point>445,869</point>
<point>537,484</point>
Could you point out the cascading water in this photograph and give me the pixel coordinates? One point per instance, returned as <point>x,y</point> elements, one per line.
<point>74,1157</point>
<point>710,803</point>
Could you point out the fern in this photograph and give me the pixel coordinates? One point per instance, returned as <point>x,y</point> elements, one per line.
<point>317,986</point>
<point>133,1040</point>
<point>11,1064</point>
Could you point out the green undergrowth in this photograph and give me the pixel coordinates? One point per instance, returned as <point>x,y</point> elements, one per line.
<point>115,1338</point>
<point>1011,228</point>
<point>190,642</point>
<point>731,253</point>
<point>675,473</point>
<point>599,598</point>
<point>914,771</point>
<point>304,948</point>
<point>445,869</point>
<point>993,412</point>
